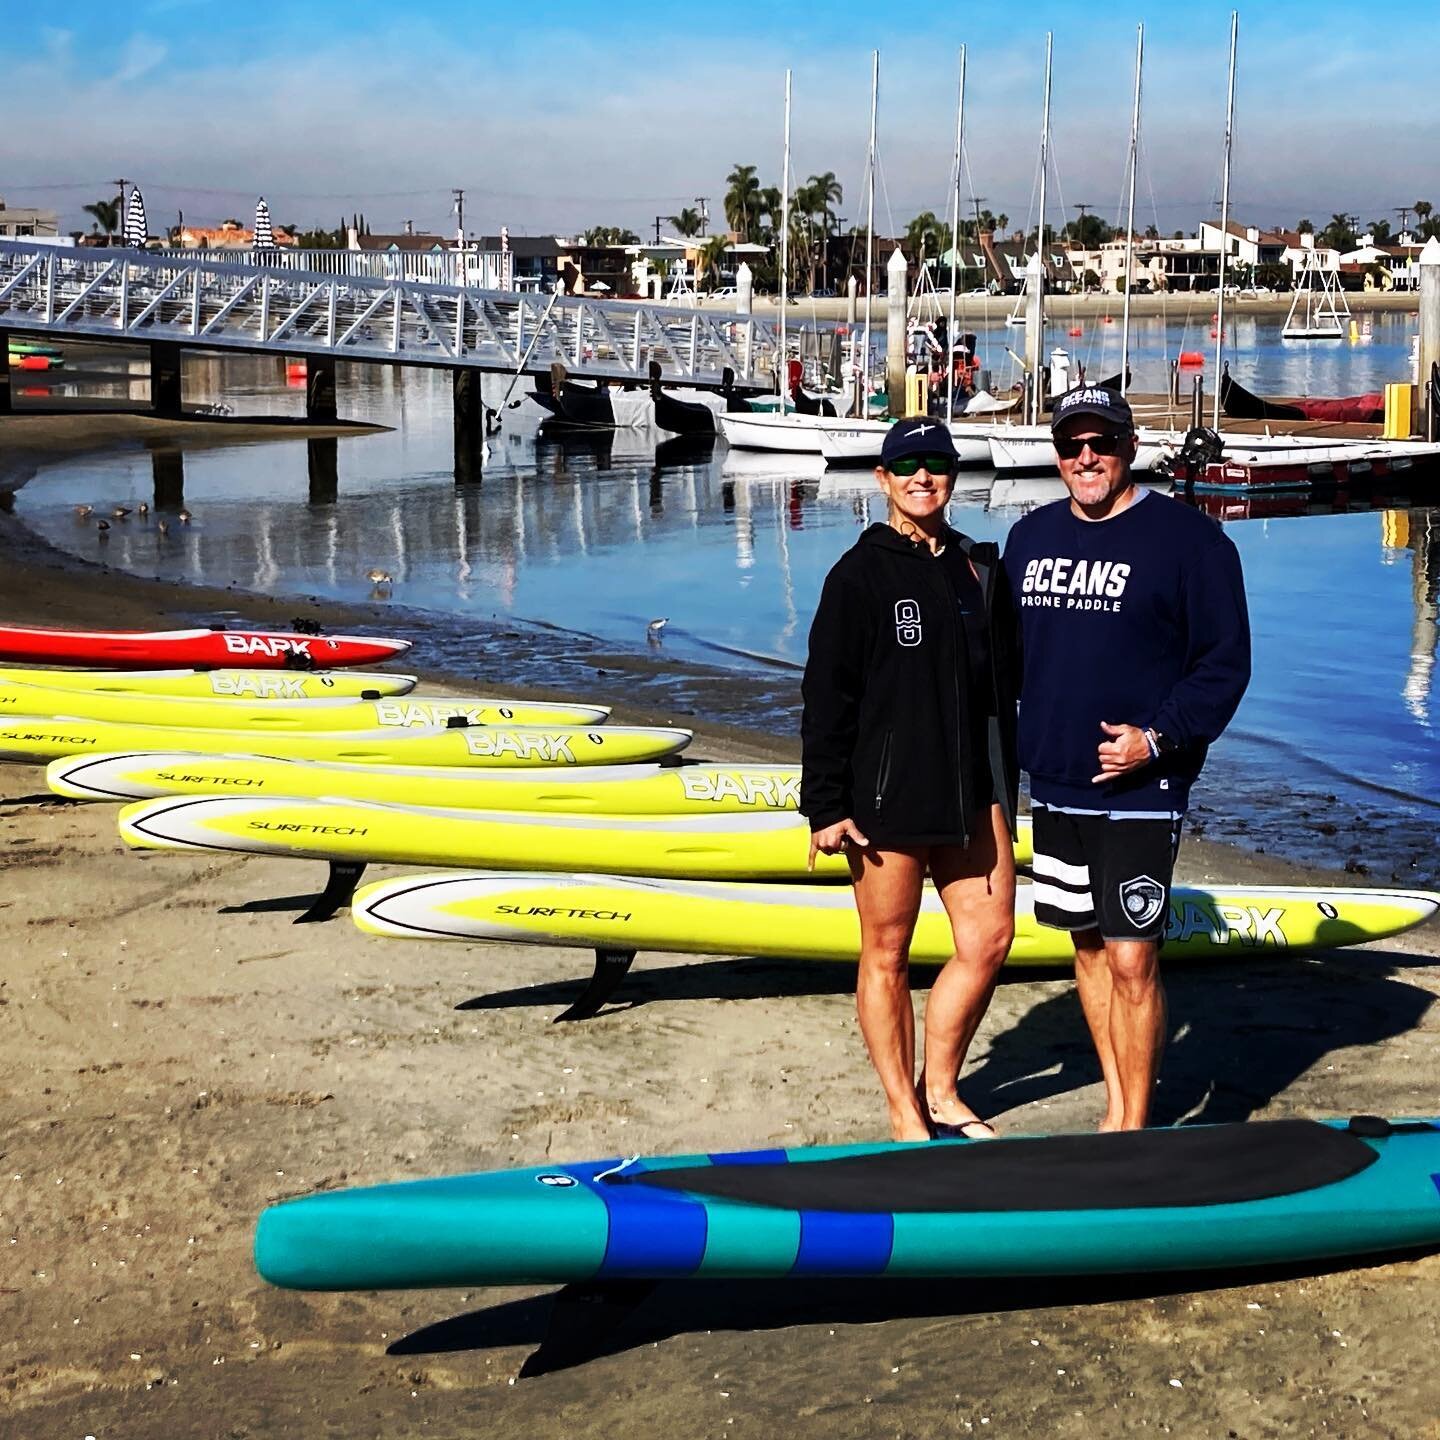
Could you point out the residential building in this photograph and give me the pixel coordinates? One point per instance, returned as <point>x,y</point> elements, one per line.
<point>24,223</point>
<point>226,236</point>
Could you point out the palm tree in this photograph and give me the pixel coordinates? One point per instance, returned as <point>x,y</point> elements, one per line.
<point>742,201</point>
<point>1338,234</point>
<point>687,222</point>
<point>709,256</point>
<point>107,216</point>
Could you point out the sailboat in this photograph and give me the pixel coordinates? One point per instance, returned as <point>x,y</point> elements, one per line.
<point>1319,310</point>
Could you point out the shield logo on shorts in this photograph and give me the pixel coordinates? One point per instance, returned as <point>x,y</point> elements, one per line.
<point>1142,899</point>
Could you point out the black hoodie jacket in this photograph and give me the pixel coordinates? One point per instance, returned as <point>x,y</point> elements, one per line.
<point>887,730</point>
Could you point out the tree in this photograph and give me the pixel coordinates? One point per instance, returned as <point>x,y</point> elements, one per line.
<point>1089,232</point>
<point>1339,234</point>
<point>1151,233</point>
<point>742,201</point>
<point>926,234</point>
<point>687,222</point>
<point>1426,225</point>
<point>106,216</point>
<point>1380,231</point>
<point>1302,227</point>
<point>599,235</point>
<point>708,260</point>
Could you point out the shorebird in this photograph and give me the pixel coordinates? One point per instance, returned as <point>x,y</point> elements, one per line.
<point>142,508</point>
<point>163,527</point>
<point>183,517</point>
<point>83,511</point>
<point>120,511</point>
<point>654,628</point>
<point>103,526</point>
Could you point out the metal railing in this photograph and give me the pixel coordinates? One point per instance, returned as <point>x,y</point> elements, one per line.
<point>189,298</point>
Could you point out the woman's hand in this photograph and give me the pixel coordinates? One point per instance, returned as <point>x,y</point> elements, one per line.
<point>834,839</point>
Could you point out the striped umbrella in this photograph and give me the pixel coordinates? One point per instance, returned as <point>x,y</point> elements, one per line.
<point>264,232</point>
<point>136,230</point>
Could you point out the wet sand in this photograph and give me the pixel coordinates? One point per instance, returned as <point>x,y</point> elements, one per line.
<point>177,1056</point>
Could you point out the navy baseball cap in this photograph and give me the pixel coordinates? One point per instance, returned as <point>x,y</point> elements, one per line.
<point>1094,402</point>
<point>917,436</point>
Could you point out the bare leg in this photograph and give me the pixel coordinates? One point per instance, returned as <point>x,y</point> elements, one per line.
<point>1094,985</point>
<point>977,888</point>
<point>887,895</point>
<point>1137,1024</point>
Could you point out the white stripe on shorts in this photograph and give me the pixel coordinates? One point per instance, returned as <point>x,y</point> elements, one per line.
<point>1053,869</point>
<point>1059,899</point>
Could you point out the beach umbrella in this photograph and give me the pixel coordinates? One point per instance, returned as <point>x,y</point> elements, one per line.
<point>264,232</point>
<point>136,230</point>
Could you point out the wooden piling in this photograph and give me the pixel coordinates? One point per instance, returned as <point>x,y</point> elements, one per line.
<point>320,389</point>
<point>165,378</point>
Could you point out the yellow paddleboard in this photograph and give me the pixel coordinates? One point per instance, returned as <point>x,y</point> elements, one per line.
<point>797,922</point>
<point>203,684</point>
<point>49,738</point>
<point>748,847</point>
<point>399,712</point>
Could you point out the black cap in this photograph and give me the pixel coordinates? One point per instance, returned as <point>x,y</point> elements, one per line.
<point>1094,402</point>
<point>917,436</point>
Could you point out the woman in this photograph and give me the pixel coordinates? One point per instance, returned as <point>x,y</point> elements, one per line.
<point>909,766</point>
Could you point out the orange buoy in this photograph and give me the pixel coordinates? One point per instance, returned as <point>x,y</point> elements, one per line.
<point>1109,319</point>
<point>295,370</point>
<point>1077,329</point>
<point>1217,334</point>
<point>1191,358</point>
<point>34,362</point>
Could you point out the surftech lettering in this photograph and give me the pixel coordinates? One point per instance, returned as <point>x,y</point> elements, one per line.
<point>286,827</point>
<point>549,912</point>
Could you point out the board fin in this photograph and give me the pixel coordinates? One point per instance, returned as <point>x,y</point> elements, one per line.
<point>584,1322</point>
<point>339,891</point>
<point>611,967</point>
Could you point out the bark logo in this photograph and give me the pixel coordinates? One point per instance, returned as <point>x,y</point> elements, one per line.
<point>907,622</point>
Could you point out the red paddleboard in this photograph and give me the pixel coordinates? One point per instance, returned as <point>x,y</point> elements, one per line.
<point>194,649</point>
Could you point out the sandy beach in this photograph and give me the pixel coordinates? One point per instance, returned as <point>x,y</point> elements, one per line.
<point>178,1055</point>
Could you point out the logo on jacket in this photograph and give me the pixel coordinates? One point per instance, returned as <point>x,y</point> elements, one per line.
<point>1142,899</point>
<point>907,622</point>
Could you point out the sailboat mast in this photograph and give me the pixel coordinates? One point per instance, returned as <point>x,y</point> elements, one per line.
<point>1130,215</point>
<point>1037,401</point>
<point>784,363</point>
<point>954,245</point>
<point>863,362</point>
<point>1225,216</point>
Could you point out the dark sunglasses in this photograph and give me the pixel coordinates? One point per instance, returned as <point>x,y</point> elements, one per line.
<point>1108,442</point>
<point>931,464</point>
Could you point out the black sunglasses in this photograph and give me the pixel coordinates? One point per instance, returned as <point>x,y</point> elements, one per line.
<point>1108,442</point>
<point>931,464</point>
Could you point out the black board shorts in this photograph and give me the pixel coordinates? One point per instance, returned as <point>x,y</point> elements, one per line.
<point>1097,872</point>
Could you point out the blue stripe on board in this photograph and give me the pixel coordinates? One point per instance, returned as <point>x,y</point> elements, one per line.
<point>652,1231</point>
<point>751,1157</point>
<point>832,1243</point>
<point>1435,1180</point>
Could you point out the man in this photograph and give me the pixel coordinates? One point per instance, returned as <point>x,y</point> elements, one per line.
<point>1136,654</point>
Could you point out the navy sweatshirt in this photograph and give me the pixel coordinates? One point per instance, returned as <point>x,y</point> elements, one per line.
<point>1135,620</point>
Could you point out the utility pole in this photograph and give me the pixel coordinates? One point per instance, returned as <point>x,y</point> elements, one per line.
<point>1082,206</point>
<point>977,201</point>
<point>120,218</point>
<point>659,220</point>
<point>703,201</point>
<point>1403,211</point>
<point>458,196</point>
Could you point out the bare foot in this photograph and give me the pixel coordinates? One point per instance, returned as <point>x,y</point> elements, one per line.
<point>953,1117</point>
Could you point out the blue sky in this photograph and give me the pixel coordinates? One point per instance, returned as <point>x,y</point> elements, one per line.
<point>561,115</point>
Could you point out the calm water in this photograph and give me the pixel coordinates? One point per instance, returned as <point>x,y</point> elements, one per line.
<point>1334,754</point>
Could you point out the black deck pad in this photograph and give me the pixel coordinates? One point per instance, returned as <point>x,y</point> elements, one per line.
<point>1203,1165</point>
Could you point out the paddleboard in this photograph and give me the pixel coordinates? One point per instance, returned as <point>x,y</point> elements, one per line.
<point>42,738</point>
<point>797,922</point>
<point>236,684</point>
<point>146,649</point>
<point>589,789</point>
<point>707,847</point>
<point>1199,1197</point>
<point>400,712</point>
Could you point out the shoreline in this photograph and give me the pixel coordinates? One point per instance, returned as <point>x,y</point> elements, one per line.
<point>179,1056</point>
